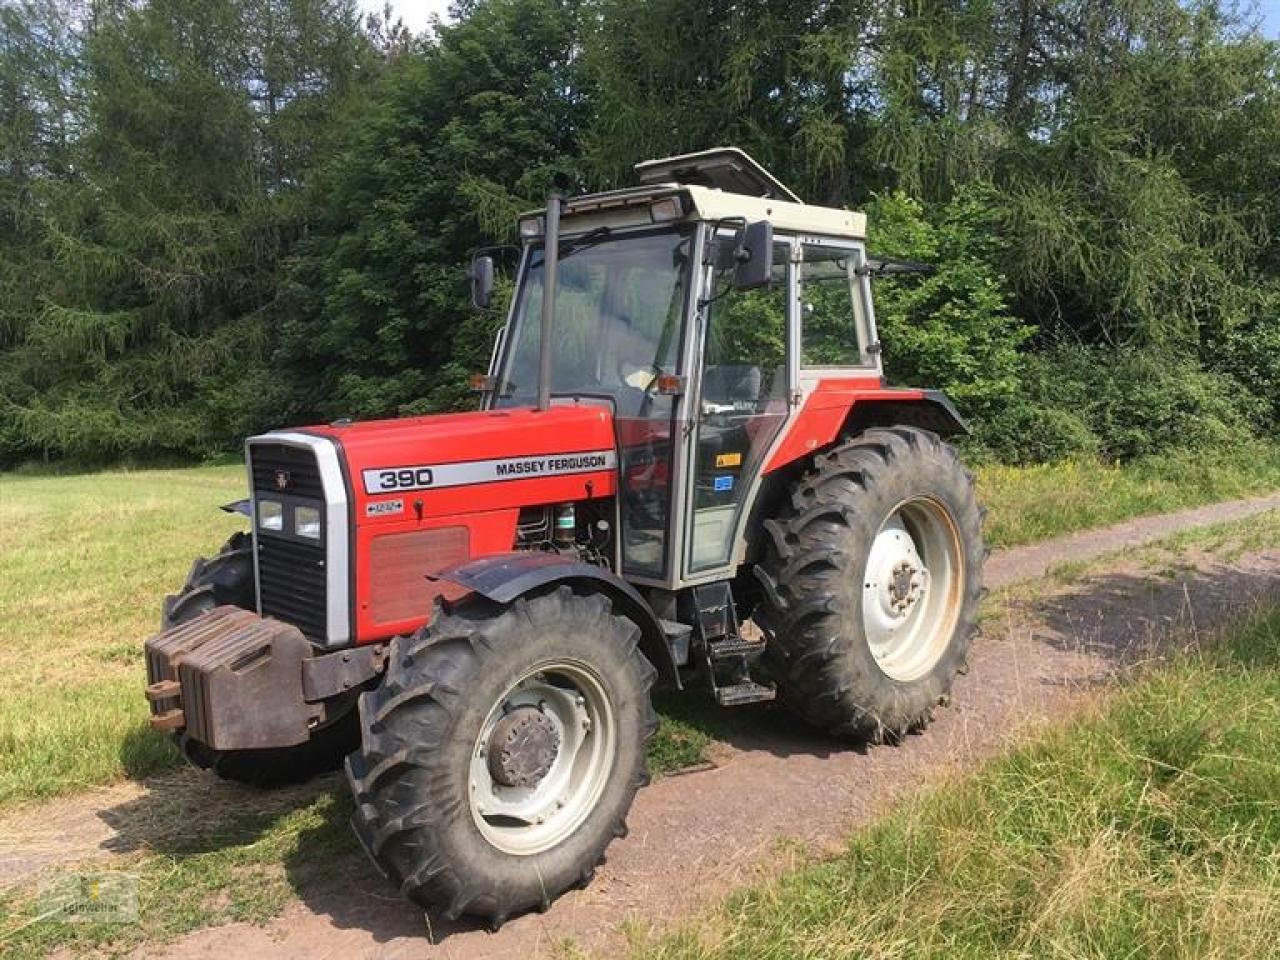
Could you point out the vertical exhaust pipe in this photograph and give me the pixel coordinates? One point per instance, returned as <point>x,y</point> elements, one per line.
<point>550,264</point>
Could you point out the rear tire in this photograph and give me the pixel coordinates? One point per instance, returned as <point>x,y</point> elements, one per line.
<point>871,584</point>
<point>485,684</point>
<point>227,578</point>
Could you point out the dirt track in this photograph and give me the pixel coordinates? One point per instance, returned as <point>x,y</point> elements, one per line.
<point>695,836</point>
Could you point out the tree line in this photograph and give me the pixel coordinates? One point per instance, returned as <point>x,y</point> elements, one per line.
<point>218,216</point>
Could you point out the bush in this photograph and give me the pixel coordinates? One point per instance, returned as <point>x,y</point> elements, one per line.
<point>951,329</point>
<point>1251,354</point>
<point>1120,403</point>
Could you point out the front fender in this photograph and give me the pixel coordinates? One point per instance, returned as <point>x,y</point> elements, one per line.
<point>503,577</point>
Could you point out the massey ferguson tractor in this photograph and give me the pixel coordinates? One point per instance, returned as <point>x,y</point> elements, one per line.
<point>684,427</point>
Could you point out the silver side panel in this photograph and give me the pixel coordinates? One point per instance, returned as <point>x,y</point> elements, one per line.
<point>337,559</point>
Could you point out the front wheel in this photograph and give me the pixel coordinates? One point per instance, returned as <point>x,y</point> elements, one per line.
<point>502,751</point>
<point>872,582</point>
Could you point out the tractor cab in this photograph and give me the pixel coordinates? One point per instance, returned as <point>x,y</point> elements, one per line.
<point>702,308</point>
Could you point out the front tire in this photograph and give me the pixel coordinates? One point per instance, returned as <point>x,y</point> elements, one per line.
<point>871,584</point>
<point>502,752</point>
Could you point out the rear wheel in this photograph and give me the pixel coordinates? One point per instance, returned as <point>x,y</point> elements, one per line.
<point>872,582</point>
<point>502,752</point>
<point>227,578</point>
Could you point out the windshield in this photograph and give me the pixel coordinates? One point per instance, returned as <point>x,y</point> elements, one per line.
<point>619,304</point>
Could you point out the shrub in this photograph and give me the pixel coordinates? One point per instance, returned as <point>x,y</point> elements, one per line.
<point>951,329</point>
<point>1120,403</point>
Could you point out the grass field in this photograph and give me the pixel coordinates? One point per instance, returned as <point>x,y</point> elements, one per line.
<point>86,559</point>
<point>1150,828</point>
<point>1035,503</point>
<point>76,717</point>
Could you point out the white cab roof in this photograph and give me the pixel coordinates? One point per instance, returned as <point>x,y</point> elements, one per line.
<point>708,197</point>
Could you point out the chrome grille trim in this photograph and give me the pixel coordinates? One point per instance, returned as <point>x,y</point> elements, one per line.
<point>337,559</point>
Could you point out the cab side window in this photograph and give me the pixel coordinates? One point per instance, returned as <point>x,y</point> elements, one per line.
<point>833,322</point>
<point>745,358</point>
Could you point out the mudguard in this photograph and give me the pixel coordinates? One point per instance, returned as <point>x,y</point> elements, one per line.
<point>503,577</point>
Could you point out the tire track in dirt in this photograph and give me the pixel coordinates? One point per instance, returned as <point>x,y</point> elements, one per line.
<point>696,836</point>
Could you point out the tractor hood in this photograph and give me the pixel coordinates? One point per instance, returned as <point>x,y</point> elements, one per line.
<point>462,462</point>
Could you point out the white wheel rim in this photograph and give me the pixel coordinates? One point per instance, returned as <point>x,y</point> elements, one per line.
<point>527,819</point>
<point>911,589</point>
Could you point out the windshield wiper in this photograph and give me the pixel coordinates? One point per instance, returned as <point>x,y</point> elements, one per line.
<point>877,266</point>
<point>589,239</point>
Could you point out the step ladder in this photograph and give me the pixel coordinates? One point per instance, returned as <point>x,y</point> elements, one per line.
<point>727,655</point>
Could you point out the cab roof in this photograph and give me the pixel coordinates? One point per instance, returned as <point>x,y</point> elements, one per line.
<point>719,184</point>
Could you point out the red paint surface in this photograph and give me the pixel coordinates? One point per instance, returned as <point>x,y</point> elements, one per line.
<point>489,511</point>
<point>824,413</point>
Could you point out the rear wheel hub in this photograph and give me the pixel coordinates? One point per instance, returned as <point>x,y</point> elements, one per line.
<point>522,748</point>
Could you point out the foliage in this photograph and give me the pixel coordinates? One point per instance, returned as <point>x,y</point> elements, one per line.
<point>1121,403</point>
<point>953,328</point>
<point>455,140</point>
<point>143,327</point>
<point>220,215</point>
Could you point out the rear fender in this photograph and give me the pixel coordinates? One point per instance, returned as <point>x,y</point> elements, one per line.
<point>838,408</point>
<point>933,410</point>
<point>504,577</point>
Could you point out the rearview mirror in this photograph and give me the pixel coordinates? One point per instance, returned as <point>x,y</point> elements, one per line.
<point>481,274</point>
<point>753,256</point>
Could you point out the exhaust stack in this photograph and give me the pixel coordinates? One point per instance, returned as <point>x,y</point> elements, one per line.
<point>550,264</point>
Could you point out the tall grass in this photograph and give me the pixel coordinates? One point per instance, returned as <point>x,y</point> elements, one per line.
<point>1150,828</point>
<point>1038,502</point>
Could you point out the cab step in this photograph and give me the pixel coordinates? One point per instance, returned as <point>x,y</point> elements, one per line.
<point>728,655</point>
<point>738,646</point>
<point>748,691</point>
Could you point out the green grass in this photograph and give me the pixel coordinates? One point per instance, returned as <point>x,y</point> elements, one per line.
<point>84,563</point>
<point>1037,503</point>
<point>1150,828</point>
<point>85,560</point>
<point>73,715</point>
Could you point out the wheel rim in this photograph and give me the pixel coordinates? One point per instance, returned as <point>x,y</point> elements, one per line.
<point>542,758</point>
<point>911,589</point>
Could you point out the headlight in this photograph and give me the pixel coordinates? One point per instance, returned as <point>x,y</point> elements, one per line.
<point>270,515</point>
<point>306,522</point>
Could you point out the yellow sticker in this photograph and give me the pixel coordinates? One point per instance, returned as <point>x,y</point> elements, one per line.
<point>728,460</point>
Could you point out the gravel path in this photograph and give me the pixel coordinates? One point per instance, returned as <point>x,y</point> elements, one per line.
<point>695,836</point>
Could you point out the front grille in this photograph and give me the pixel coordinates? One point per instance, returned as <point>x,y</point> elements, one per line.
<point>292,575</point>
<point>291,583</point>
<point>295,465</point>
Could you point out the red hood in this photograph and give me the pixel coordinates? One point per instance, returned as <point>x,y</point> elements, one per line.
<point>481,435</point>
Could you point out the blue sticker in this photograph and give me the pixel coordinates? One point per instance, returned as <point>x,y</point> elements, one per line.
<point>723,484</point>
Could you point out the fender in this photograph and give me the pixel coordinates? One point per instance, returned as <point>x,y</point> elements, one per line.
<point>503,577</point>
<point>837,407</point>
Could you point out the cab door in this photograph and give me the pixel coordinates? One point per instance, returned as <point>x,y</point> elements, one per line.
<point>746,378</point>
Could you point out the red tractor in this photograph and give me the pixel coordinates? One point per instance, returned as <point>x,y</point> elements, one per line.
<point>684,426</point>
